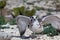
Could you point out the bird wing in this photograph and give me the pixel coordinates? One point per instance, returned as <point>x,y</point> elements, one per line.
<point>54,20</point>
<point>22,23</point>
<point>24,18</point>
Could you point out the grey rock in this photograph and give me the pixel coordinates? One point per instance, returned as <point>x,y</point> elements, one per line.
<point>5,36</point>
<point>8,17</point>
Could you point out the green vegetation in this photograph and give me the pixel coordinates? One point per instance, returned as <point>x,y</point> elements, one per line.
<point>30,12</point>
<point>48,13</point>
<point>16,11</point>
<point>23,11</point>
<point>49,30</point>
<point>24,0</point>
<point>2,5</point>
<point>2,20</point>
<point>13,22</point>
<point>12,28</point>
<point>19,11</point>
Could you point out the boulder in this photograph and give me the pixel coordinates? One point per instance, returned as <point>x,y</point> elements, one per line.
<point>5,36</point>
<point>8,17</point>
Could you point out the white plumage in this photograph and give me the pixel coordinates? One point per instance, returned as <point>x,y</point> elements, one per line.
<point>36,25</point>
<point>24,21</point>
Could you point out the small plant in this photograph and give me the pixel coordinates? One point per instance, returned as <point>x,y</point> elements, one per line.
<point>22,11</point>
<point>2,20</point>
<point>2,5</point>
<point>49,13</point>
<point>16,11</point>
<point>24,0</point>
<point>12,28</point>
<point>49,30</point>
<point>19,11</point>
<point>13,22</point>
<point>30,12</point>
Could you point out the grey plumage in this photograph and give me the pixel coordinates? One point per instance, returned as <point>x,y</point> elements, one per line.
<point>22,23</point>
<point>54,20</point>
<point>33,22</point>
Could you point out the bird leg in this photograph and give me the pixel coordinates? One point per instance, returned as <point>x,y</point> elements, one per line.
<point>33,35</point>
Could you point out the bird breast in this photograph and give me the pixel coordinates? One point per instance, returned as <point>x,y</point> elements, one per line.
<point>36,28</point>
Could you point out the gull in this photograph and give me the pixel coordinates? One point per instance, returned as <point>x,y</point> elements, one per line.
<point>31,22</point>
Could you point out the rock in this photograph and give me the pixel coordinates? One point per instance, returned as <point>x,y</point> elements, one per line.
<point>13,3</point>
<point>31,1</point>
<point>54,20</point>
<point>5,36</point>
<point>46,4</point>
<point>41,13</point>
<point>57,14</point>
<point>8,17</point>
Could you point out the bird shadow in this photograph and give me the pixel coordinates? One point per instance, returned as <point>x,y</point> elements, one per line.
<point>25,37</point>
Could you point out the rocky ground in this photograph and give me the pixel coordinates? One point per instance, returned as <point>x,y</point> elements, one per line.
<point>15,33</point>
<point>14,30</point>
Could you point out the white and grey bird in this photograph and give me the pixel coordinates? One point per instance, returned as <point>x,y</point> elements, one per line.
<point>24,21</point>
